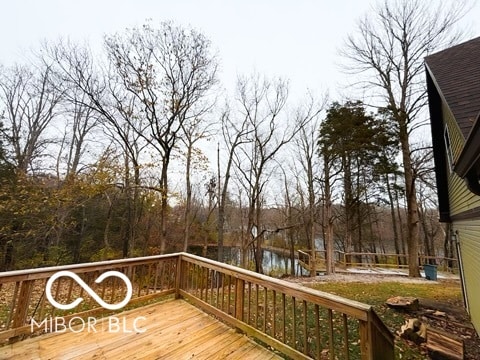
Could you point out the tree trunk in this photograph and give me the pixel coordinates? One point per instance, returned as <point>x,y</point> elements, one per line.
<point>394,219</point>
<point>188,202</point>
<point>347,188</point>
<point>221,204</point>
<point>164,205</point>
<point>412,206</point>
<point>311,211</point>
<point>328,221</point>
<point>258,237</point>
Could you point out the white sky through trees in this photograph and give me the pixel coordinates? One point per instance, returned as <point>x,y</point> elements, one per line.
<point>297,40</point>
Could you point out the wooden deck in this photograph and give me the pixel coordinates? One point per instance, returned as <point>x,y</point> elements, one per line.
<point>174,330</point>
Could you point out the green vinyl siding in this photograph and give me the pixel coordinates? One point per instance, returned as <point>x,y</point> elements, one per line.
<point>469,238</point>
<point>460,198</point>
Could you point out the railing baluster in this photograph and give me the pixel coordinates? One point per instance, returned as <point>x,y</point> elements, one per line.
<point>155,279</point>
<point>219,279</point>
<point>305,333</point>
<point>345,336</point>
<point>212,283</point>
<point>189,277</point>
<point>294,323</point>
<point>202,278</point>
<point>42,302</point>
<point>147,281</point>
<point>274,314</point>
<point>194,279</point>
<point>162,275</point>
<point>139,280</point>
<point>223,290</point>
<point>229,310</point>
<point>331,344</point>
<point>283,318</point>
<point>104,285</point>
<point>57,291</point>
<point>265,296</point>
<point>256,306</point>
<point>249,302</point>
<point>317,332</point>
<point>70,287</point>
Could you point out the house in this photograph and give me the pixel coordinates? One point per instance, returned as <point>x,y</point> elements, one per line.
<point>453,85</point>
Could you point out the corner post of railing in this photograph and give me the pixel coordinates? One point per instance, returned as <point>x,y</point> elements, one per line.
<point>239,298</point>
<point>178,277</point>
<point>376,341</point>
<point>21,310</point>
<point>365,340</point>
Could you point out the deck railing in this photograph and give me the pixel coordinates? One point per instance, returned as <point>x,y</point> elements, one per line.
<point>365,259</point>
<point>23,303</point>
<point>299,322</point>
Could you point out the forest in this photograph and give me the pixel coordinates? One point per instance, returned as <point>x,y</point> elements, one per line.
<point>136,149</point>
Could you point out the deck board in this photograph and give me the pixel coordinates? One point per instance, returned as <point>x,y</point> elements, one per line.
<point>174,330</point>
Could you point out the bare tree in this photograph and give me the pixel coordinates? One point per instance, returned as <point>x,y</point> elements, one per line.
<point>194,130</point>
<point>262,103</point>
<point>80,123</point>
<point>289,220</point>
<point>170,71</point>
<point>31,103</point>
<point>235,133</point>
<point>306,144</point>
<point>98,93</point>
<point>388,48</point>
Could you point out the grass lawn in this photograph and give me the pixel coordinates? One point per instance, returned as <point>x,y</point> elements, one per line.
<point>375,294</point>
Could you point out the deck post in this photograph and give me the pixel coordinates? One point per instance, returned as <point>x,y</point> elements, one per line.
<point>239,298</point>
<point>178,277</point>
<point>20,315</point>
<point>365,349</point>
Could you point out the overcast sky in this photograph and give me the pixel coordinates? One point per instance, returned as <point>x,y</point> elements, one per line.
<point>296,39</point>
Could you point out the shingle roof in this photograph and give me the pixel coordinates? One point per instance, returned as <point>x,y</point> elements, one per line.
<point>456,70</point>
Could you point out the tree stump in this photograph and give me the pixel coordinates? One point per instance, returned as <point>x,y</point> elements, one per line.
<point>403,302</point>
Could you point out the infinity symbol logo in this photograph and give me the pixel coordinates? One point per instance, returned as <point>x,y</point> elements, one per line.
<point>89,290</point>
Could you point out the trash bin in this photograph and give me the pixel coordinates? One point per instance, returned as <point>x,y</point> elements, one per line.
<point>430,272</point>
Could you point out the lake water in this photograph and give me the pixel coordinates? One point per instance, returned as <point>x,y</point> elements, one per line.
<point>273,264</point>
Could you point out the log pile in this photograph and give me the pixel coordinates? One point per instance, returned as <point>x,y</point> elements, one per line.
<point>414,330</point>
<point>440,344</point>
<point>443,346</point>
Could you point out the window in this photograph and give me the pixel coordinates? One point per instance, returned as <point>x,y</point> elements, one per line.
<point>448,148</point>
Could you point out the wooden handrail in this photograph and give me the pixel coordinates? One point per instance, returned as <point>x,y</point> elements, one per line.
<point>298,321</point>
<point>347,259</point>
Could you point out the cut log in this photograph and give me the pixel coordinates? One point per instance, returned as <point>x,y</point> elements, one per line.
<point>414,330</point>
<point>403,302</point>
<point>444,346</point>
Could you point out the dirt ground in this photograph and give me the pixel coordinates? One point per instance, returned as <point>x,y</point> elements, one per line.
<point>451,317</point>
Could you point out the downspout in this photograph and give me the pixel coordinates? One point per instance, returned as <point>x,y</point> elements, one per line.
<point>454,238</point>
